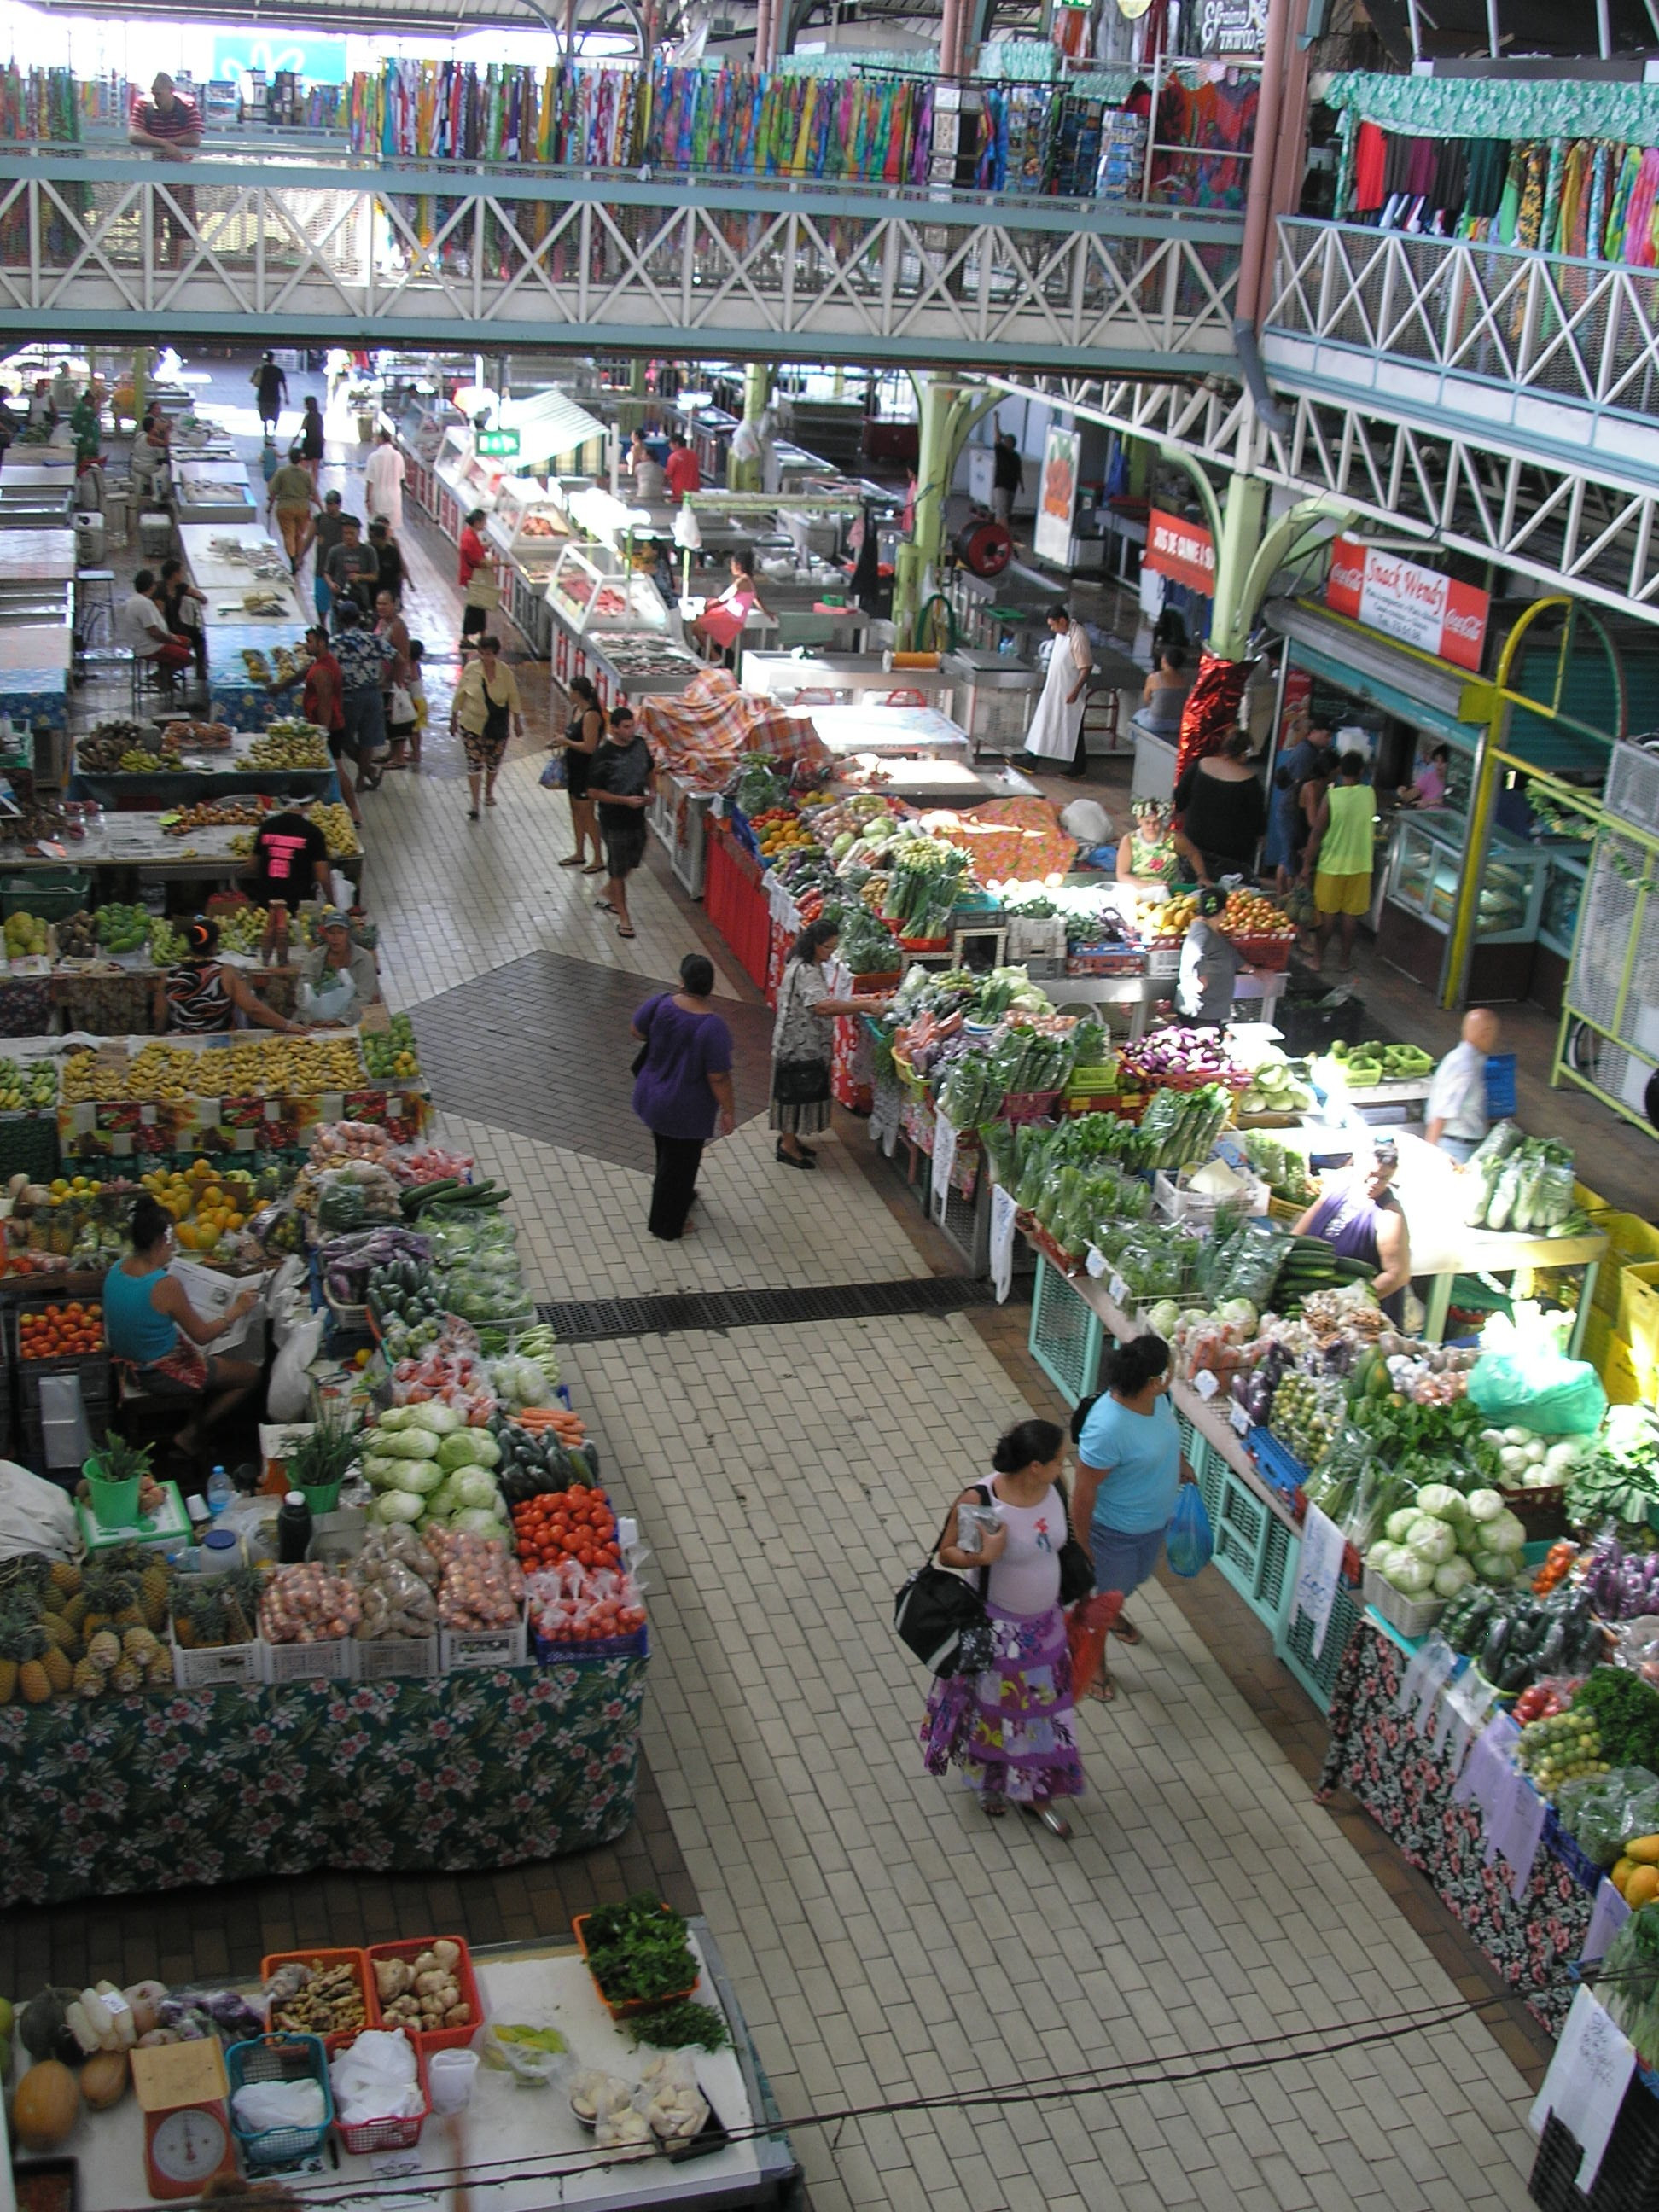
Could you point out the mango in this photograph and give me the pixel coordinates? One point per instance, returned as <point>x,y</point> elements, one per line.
<point>1621,1874</point>
<point>1642,1887</point>
<point>1645,1849</point>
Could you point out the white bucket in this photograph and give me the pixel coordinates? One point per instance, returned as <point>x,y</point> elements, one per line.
<point>449,2076</point>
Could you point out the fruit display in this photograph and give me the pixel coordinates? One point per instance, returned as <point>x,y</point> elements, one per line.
<point>28,937</point>
<point>122,928</point>
<point>66,1332</point>
<point>261,1068</point>
<point>482,1587</point>
<point>780,831</point>
<point>218,814</point>
<point>1366,1065</point>
<point>575,1523</point>
<point>77,937</point>
<point>208,1205</point>
<point>213,1611</point>
<point>168,944</point>
<point>1560,1748</point>
<point>27,1086</point>
<point>339,832</point>
<point>391,1054</point>
<point>259,669</point>
<point>307,1604</point>
<point>198,737</point>
<point>1247,913</point>
<point>69,1630</point>
<point>290,744</point>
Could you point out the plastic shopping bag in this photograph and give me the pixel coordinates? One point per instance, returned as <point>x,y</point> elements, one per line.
<point>1189,1544</point>
<point>1555,1396</point>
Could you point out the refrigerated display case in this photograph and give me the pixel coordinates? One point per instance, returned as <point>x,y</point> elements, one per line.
<point>1425,862</point>
<point>1557,921</point>
<point>528,529</point>
<point>610,622</point>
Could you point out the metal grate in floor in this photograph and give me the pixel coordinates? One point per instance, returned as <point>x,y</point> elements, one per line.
<point>586,1319</point>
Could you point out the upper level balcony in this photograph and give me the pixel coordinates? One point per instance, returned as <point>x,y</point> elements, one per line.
<point>330,248</point>
<point>1531,354</point>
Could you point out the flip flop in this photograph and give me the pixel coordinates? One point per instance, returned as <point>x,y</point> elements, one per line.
<point>573,861</point>
<point>1125,1632</point>
<point>602,906</point>
<point>595,869</point>
<point>623,930</point>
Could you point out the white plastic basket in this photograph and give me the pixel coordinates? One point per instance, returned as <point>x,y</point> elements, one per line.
<point>1175,1203</point>
<point>1412,1616</point>
<point>382,1658</point>
<point>214,1664</point>
<point>332,1660</point>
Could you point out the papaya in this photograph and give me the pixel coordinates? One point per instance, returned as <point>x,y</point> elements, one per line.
<point>1645,1849</point>
<point>1642,1887</point>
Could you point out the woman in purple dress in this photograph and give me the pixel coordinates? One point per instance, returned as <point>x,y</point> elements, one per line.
<point>682,1087</point>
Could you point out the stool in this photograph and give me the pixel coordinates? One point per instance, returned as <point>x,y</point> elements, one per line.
<point>94,605</point>
<point>145,1416</point>
<point>150,677</point>
<point>1100,712</point>
<point>109,659</point>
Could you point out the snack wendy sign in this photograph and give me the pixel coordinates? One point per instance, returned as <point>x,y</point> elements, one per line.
<point>1418,605</point>
<point>1184,552</point>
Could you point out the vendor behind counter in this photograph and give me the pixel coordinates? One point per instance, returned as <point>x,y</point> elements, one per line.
<point>338,978</point>
<point>1365,1221</point>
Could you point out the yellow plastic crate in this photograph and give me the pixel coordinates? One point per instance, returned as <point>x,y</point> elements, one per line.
<point>1637,1318</point>
<point>1632,1242</point>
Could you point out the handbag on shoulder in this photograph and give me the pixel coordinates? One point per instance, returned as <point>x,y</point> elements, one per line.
<point>941,1617</point>
<point>800,1082</point>
<point>1077,1569</point>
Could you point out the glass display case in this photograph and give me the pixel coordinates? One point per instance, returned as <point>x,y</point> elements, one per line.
<point>594,589</point>
<point>1425,859</point>
<point>528,524</point>
<point>1564,887</point>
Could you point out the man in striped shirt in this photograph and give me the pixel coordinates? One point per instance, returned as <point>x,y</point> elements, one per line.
<point>170,126</point>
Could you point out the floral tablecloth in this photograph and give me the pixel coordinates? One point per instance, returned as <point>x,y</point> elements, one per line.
<point>482,1768</point>
<point>1377,1755</point>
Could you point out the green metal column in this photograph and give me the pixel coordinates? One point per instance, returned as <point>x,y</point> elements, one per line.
<point>1235,550</point>
<point>937,402</point>
<point>746,476</point>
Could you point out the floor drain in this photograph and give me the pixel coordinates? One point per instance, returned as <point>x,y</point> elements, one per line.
<point>585,1320</point>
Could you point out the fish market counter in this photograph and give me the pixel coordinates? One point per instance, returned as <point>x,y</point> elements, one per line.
<point>523,2148</point>
<point>1403,1778</point>
<point>507,1763</point>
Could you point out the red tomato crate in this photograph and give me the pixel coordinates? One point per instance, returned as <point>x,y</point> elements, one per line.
<point>358,1958</point>
<point>435,2038</point>
<point>362,2136</point>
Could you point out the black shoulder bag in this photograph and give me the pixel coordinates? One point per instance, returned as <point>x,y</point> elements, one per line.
<point>1077,1569</point>
<point>636,1065</point>
<point>942,1617</point>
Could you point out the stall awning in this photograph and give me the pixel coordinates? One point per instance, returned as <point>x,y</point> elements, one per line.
<point>549,426</point>
<point>1430,694</point>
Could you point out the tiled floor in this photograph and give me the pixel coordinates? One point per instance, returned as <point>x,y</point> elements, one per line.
<point>887,1942</point>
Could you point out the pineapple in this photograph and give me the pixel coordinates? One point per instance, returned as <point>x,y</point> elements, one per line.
<point>124,1677</point>
<point>65,1577</point>
<point>88,1679</point>
<point>75,1611</point>
<point>93,1623</point>
<point>129,1618</point>
<point>17,1635</point>
<point>140,1645</point>
<point>32,1679</point>
<point>59,1673</point>
<point>58,1630</point>
<point>104,1650</point>
<point>158,1674</point>
<point>153,1597</point>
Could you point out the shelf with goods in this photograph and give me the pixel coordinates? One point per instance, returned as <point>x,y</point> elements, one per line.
<point>127,766</point>
<point>143,845</point>
<point>701,2125</point>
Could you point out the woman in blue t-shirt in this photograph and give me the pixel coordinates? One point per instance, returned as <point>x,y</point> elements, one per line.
<point>682,1082</point>
<point>1129,1471</point>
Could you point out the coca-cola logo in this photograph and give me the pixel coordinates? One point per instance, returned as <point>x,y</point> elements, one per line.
<point>1466,621</point>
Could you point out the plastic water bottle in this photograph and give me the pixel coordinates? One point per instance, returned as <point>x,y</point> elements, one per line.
<point>219,1492</point>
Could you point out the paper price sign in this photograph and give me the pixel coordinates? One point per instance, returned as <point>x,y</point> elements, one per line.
<point>1205,1384</point>
<point>1119,1291</point>
<point>944,1159</point>
<point>1003,1211</point>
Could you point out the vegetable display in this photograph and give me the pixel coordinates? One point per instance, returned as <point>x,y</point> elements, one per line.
<point>1522,1185</point>
<point>638,1952</point>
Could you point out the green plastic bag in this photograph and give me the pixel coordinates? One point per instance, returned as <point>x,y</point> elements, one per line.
<point>1543,1392</point>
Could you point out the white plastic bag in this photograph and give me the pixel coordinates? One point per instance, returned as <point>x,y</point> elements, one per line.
<point>376,2078</point>
<point>35,1516</point>
<point>262,2104</point>
<point>289,1397</point>
<point>1087,820</point>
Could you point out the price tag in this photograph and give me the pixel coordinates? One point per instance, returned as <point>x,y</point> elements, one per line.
<point>1205,1384</point>
<point>1119,1291</point>
<point>1003,1211</point>
<point>1318,1572</point>
<point>53,849</point>
<point>1094,1263</point>
<point>1239,1418</point>
<point>944,1159</point>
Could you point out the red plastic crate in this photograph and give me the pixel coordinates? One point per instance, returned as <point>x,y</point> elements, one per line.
<point>578,1928</point>
<point>400,2134</point>
<point>435,2038</point>
<point>324,1957</point>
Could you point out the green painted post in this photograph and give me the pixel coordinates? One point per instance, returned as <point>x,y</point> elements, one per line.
<point>746,476</point>
<point>1235,550</point>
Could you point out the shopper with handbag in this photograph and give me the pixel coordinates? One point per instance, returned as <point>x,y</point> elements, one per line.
<point>804,1043</point>
<point>480,592</point>
<point>1010,1728</point>
<point>486,709</point>
<point>1129,1472</point>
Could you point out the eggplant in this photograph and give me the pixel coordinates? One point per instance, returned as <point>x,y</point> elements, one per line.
<point>1493,1650</point>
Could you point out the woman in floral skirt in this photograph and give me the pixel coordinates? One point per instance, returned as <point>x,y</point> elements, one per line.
<point>1010,1728</point>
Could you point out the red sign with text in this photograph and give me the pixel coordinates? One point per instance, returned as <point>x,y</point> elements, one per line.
<point>1418,605</point>
<point>1183,551</point>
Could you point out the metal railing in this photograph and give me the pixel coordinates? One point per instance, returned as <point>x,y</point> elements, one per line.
<point>1423,321</point>
<point>411,253</point>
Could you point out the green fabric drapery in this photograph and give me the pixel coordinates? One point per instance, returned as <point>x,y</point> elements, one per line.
<point>1486,108</point>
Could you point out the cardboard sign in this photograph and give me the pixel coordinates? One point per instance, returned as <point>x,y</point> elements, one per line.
<point>1418,605</point>
<point>1183,551</point>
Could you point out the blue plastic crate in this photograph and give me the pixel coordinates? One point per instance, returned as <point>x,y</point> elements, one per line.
<point>1582,1868</point>
<point>1500,1084</point>
<point>279,2057</point>
<point>1276,1463</point>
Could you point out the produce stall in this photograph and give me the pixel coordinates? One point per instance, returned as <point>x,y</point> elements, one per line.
<point>552,2089</point>
<point>142,846</point>
<point>528,529</point>
<point>190,764</point>
<point>246,662</point>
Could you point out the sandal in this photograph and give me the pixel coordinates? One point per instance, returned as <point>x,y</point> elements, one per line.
<point>1125,1632</point>
<point>624,929</point>
<point>472,814</point>
<point>993,1808</point>
<point>1053,1821</point>
<point>574,860</point>
<point>1103,1689</point>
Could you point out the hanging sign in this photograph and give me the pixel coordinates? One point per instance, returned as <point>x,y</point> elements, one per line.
<point>1586,2083</point>
<point>497,445</point>
<point>1057,497</point>
<point>1418,605</point>
<point>1232,27</point>
<point>1183,551</point>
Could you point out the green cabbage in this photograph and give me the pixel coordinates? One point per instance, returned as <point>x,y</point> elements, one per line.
<point>1441,1501</point>
<point>421,1475</point>
<point>1430,1540</point>
<point>468,1448</point>
<point>475,1486</point>
<point>476,1522</point>
<point>398,1505</point>
<point>440,1420</point>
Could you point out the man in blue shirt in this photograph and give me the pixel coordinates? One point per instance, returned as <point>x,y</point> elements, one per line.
<point>1290,771</point>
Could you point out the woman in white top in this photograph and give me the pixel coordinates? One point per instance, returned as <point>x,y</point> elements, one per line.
<point>1009,1728</point>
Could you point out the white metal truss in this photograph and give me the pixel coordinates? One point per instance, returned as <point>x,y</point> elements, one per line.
<point>1547,356</point>
<point>107,246</point>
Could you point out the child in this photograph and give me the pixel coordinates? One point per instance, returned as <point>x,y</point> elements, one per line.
<point>415,690</point>
<point>1209,965</point>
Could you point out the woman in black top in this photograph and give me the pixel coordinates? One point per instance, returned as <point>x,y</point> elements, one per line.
<point>311,437</point>
<point>202,997</point>
<point>1222,812</point>
<point>580,740</point>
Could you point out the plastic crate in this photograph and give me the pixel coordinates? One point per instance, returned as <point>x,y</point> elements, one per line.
<point>1294,1644</point>
<point>1066,1337</point>
<point>28,1145</point>
<point>93,1368</point>
<point>549,1654</point>
<point>209,1666</point>
<point>1412,1616</point>
<point>1023,1106</point>
<point>482,1647</point>
<point>389,1658</point>
<point>1269,953</point>
<point>360,2137</point>
<point>283,2056</point>
<point>356,1959</point>
<point>1500,1084</point>
<point>49,894</point>
<point>332,1659</point>
<point>628,2005</point>
<point>1277,1463</point>
<point>437,2038</point>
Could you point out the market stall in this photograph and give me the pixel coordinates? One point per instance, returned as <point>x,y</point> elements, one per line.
<point>253,667</point>
<point>194,764</point>
<point>842,679</point>
<point>206,490</point>
<point>610,623</point>
<point>142,845</point>
<point>244,575</point>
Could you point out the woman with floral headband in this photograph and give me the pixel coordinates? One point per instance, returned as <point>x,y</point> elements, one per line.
<point>1147,854</point>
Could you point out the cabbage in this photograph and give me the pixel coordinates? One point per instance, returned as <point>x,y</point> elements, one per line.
<point>398,1505</point>
<point>1483,1504</point>
<point>1398,1525</point>
<point>475,1522</point>
<point>475,1486</point>
<point>1440,1502</point>
<point>1239,1312</point>
<point>1381,1558</point>
<point>1499,1568</point>
<point>1430,1540</point>
<point>1163,1317</point>
<point>1517,1436</point>
<point>439,1420</point>
<point>403,1444</point>
<point>384,1473</point>
<point>1508,1533</point>
<point>468,1448</point>
<point>1561,1458</point>
<point>1450,1577</point>
<point>1411,1577</point>
<point>421,1474</point>
<point>443,1501</point>
<point>395,1417</point>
